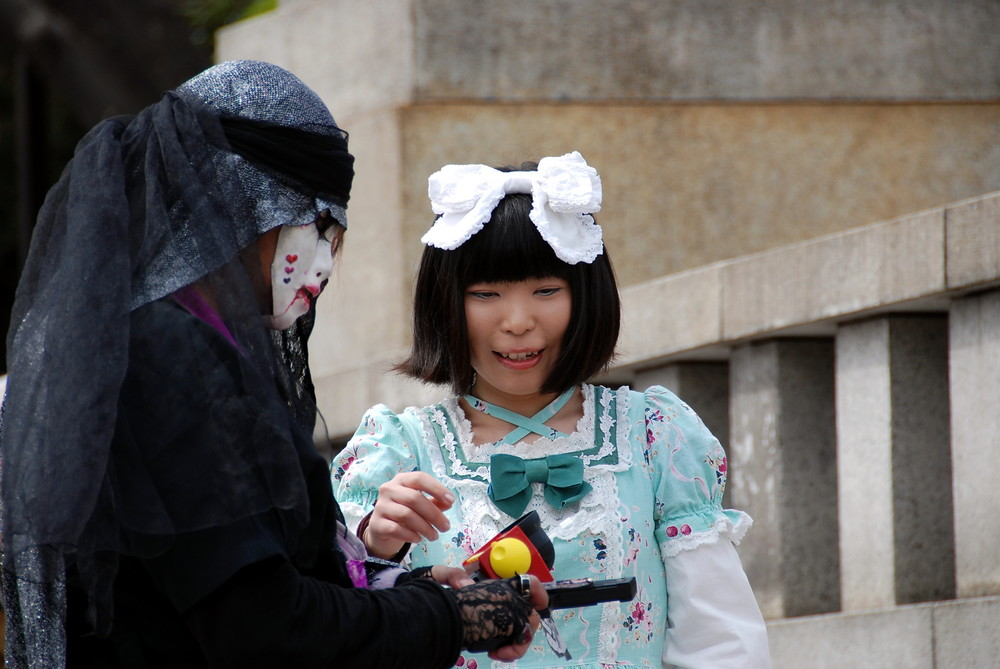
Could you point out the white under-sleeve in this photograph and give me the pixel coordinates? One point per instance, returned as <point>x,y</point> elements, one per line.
<point>713,621</point>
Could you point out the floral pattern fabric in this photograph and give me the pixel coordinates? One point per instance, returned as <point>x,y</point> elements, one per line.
<point>657,477</point>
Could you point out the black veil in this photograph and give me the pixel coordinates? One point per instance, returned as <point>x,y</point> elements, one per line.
<point>172,197</point>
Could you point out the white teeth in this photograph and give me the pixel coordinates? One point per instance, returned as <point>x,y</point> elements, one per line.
<point>518,356</point>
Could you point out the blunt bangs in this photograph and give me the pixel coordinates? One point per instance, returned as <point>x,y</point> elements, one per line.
<point>508,249</point>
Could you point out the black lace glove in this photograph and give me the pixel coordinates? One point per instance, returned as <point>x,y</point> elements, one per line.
<point>494,614</point>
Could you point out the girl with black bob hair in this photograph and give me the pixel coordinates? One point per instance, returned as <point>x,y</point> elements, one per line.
<point>509,249</point>
<point>516,307</point>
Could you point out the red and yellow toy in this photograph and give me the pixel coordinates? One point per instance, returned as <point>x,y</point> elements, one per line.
<point>521,548</point>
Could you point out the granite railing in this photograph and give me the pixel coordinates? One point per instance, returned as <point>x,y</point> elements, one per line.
<point>855,381</point>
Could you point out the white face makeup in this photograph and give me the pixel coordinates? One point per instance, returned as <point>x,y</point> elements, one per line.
<point>303,261</point>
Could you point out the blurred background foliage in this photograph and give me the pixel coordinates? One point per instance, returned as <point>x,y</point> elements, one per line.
<point>67,64</point>
<point>206,16</point>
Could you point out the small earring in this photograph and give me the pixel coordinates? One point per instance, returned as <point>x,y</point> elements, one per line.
<point>475,377</point>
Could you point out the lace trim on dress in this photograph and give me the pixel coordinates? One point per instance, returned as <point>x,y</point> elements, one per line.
<point>462,465</point>
<point>733,525</point>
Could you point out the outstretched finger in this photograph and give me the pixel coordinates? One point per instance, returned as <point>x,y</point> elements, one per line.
<point>429,486</point>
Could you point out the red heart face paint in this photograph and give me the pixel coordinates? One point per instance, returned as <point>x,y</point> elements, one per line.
<point>303,261</point>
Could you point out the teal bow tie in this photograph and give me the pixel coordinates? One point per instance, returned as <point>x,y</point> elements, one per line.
<point>511,478</point>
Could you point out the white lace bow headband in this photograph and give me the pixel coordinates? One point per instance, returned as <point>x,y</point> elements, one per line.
<point>565,191</point>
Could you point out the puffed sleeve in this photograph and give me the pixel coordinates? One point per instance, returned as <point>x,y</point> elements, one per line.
<point>713,620</point>
<point>379,449</point>
<point>690,470</point>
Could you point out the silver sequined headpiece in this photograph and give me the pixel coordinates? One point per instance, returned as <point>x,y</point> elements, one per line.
<point>261,91</point>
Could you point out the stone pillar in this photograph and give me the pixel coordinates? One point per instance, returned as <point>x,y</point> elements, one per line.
<point>893,459</point>
<point>782,434</point>
<point>704,386</point>
<point>975,427</point>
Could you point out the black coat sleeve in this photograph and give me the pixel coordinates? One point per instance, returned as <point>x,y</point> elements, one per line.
<point>270,614</point>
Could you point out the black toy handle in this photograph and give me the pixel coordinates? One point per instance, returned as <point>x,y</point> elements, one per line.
<point>576,592</point>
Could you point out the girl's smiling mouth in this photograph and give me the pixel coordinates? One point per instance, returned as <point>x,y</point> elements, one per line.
<point>519,359</point>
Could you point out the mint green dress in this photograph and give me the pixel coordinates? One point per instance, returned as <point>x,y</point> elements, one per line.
<point>657,477</point>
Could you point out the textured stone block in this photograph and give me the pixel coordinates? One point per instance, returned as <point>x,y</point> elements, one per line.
<point>668,315</point>
<point>357,55</point>
<point>345,394</point>
<point>864,466</point>
<point>893,461</point>
<point>900,639</point>
<point>343,398</point>
<point>835,276</point>
<point>707,49</point>
<point>923,522</point>
<point>782,431</point>
<point>975,427</point>
<point>559,50</point>
<point>967,634</point>
<point>366,311</point>
<point>973,236</point>
<point>689,186</point>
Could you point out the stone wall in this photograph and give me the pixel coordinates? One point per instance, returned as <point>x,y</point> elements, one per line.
<point>719,128</point>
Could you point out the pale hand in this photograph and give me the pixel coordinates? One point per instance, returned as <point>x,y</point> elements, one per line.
<point>410,508</point>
